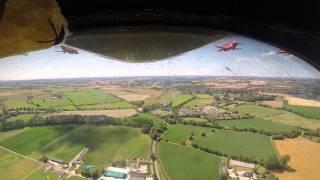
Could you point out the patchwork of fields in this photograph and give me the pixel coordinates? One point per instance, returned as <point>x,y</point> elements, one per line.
<point>244,144</point>
<point>68,100</point>
<point>184,151</point>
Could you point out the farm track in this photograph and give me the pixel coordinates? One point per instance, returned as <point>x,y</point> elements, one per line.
<point>20,155</point>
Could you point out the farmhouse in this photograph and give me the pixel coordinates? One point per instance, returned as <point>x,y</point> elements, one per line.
<point>57,163</point>
<point>139,169</point>
<point>241,170</point>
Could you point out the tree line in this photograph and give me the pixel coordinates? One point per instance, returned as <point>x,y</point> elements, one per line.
<point>73,119</point>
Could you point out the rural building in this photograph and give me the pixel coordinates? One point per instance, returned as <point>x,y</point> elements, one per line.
<point>139,170</point>
<point>57,163</point>
<point>115,173</point>
<point>241,170</point>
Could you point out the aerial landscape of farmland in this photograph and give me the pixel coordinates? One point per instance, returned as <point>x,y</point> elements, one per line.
<point>72,130</point>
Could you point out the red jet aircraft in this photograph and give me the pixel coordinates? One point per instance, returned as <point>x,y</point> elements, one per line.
<point>231,45</point>
<point>68,50</point>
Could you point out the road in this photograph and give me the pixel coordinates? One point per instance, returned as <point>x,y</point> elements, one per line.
<point>155,163</point>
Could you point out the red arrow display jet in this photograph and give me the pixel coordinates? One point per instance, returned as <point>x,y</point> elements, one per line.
<point>231,45</point>
<point>68,50</point>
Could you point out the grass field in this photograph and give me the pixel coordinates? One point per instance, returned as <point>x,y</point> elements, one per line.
<point>13,166</point>
<point>49,102</point>
<point>198,102</point>
<point>22,117</point>
<point>244,144</point>
<point>181,99</point>
<point>109,143</point>
<point>41,175</point>
<point>180,133</point>
<point>279,116</point>
<point>182,163</point>
<point>33,139</point>
<point>258,111</point>
<point>305,111</point>
<point>17,102</point>
<point>294,120</point>
<point>203,96</point>
<point>5,135</point>
<point>111,105</point>
<point>91,97</point>
<point>164,98</point>
<point>258,124</point>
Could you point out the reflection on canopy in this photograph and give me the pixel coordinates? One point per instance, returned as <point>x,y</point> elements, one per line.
<point>253,58</point>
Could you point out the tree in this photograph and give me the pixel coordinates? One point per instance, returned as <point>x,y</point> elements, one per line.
<point>44,159</point>
<point>272,163</point>
<point>284,160</point>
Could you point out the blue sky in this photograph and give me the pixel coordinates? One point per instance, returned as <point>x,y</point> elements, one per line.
<point>254,58</point>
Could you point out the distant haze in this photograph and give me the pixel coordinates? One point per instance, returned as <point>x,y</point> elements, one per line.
<point>254,58</point>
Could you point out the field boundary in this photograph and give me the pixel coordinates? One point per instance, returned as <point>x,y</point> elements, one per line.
<point>20,155</point>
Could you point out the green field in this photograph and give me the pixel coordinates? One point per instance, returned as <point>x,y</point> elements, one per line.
<point>181,99</point>
<point>194,119</point>
<point>258,111</point>
<point>21,117</point>
<point>164,98</point>
<point>279,116</point>
<point>258,124</point>
<point>33,139</point>
<point>91,97</point>
<point>294,120</point>
<point>203,96</point>
<point>305,111</point>
<point>17,102</point>
<point>182,163</point>
<point>108,144</point>
<point>245,144</point>
<point>111,105</point>
<point>198,102</point>
<point>48,102</point>
<point>13,166</point>
<point>41,175</point>
<point>180,133</point>
<point>7,134</point>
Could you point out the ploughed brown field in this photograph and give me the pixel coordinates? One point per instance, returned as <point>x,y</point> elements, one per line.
<point>305,159</point>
